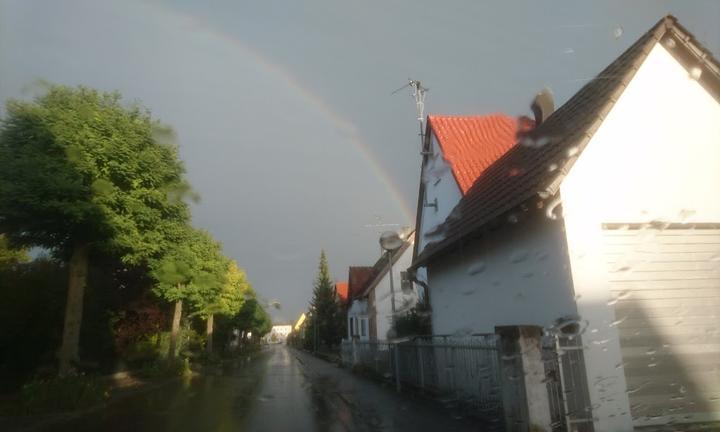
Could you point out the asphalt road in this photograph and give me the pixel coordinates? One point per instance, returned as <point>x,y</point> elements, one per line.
<point>280,389</point>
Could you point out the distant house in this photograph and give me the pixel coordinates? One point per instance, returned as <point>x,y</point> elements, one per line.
<point>341,292</point>
<point>606,214</point>
<point>279,333</point>
<point>382,304</point>
<point>357,314</point>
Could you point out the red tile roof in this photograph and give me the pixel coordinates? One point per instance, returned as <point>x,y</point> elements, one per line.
<point>470,144</point>
<point>358,278</point>
<point>529,172</point>
<point>341,289</point>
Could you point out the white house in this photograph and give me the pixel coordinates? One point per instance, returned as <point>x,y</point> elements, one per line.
<point>372,304</point>
<point>386,301</point>
<point>608,211</point>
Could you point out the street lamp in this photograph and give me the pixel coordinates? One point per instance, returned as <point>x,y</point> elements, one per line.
<point>390,241</point>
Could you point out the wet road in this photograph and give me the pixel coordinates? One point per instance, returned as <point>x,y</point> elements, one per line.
<point>279,390</point>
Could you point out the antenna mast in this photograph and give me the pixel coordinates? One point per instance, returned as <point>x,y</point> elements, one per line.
<point>418,93</point>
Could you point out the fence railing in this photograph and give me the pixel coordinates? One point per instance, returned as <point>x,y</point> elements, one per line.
<point>468,370</point>
<point>464,369</point>
<point>568,392</point>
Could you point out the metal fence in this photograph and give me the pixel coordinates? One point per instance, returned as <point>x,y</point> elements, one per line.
<point>462,369</point>
<point>570,406</point>
<point>467,370</point>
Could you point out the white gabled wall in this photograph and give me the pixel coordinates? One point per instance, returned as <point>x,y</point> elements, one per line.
<point>440,184</point>
<point>383,299</point>
<point>655,157</point>
<point>516,275</point>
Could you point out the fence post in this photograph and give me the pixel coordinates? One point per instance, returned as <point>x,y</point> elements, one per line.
<point>421,373</point>
<point>354,352</point>
<point>524,392</point>
<point>396,347</point>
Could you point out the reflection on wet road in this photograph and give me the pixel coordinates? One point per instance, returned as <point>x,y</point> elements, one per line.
<point>279,390</point>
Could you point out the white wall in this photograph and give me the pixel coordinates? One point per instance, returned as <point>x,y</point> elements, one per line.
<point>440,184</point>
<point>357,313</point>
<point>515,275</point>
<point>655,157</point>
<point>383,299</point>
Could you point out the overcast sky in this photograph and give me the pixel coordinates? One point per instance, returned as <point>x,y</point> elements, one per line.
<point>283,110</point>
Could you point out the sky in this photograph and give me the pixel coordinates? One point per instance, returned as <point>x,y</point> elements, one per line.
<point>283,109</point>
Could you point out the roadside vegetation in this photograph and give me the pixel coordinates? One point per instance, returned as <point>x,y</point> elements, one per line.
<point>101,270</point>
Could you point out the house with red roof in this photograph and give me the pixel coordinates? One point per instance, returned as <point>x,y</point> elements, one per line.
<point>341,292</point>
<point>378,295</point>
<point>605,216</point>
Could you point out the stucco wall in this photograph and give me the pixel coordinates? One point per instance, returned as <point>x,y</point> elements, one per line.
<point>515,275</point>
<point>655,157</point>
<point>440,184</point>
<point>403,301</point>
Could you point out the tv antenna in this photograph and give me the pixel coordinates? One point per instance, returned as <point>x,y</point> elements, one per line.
<point>418,93</point>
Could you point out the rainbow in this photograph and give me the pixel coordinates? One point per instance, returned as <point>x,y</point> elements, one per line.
<point>342,124</point>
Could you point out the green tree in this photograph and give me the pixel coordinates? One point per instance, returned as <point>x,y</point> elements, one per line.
<point>325,308</point>
<point>10,256</point>
<point>232,297</point>
<point>192,269</point>
<point>79,172</point>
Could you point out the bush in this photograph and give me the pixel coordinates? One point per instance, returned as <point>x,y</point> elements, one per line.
<point>62,394</point>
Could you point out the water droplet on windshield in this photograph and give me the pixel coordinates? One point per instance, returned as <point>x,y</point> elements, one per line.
<point>695,73</point>
<point>617,32</point>
<point>518,257</point>
<point>476,268</point>
<point>550,210</point>
<point>618,322</point>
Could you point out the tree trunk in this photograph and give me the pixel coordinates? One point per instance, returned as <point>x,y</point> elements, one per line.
<point>175,329</point>
<point>77,279</point>
<point>209,333</point>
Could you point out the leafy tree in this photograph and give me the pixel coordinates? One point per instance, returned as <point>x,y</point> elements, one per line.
<point>193,270</point>
<point>79,172</point>
<point>231,299</point>
<point>10,256</point>
<point>325,308</point>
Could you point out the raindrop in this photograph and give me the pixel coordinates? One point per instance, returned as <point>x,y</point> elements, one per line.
<point>476,268</point>
<point>514,172</point>
<point>651,365</point>
<point>620,365</point>
<point>617,32</point>
<point>636,389</point>
<point>512,218</point>
<point>685,214</point>
<point>618,322</point>
<point>695,73</point>
<point>577,297</point>
<point>650,352</point>
<point>518,257</point>
<point>552,167</point>
<point>550,210</point>
<point>594,330</point>
<point>572,151</point>
<point>569,51</point>
<point>601,341</point>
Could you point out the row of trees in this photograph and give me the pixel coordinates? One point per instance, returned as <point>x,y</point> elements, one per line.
<point>88,178</point>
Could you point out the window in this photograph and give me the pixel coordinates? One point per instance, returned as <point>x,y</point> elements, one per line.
<point>363,327</point>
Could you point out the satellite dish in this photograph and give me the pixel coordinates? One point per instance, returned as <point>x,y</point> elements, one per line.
<point>390,240</point>
<point>542,106</point>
